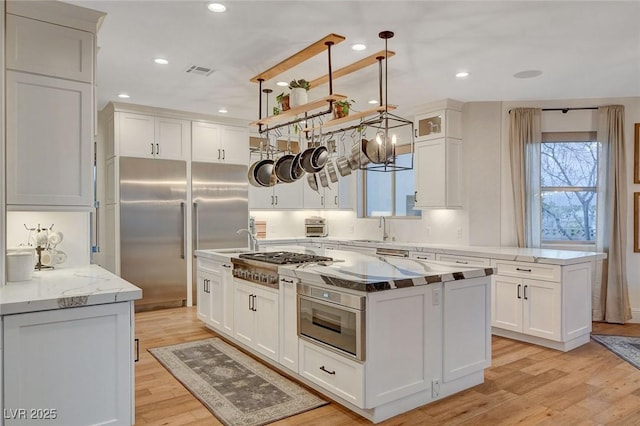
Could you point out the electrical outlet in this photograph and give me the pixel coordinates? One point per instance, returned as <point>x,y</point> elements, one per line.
<point>459,233</point>
<point>428,232</point>
<point>435,388</point>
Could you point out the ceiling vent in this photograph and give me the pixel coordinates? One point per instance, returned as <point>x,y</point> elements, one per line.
<point>199,70</point>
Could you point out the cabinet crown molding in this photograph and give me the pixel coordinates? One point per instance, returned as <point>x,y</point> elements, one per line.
<point>451,104</point>
<point>55,12</point>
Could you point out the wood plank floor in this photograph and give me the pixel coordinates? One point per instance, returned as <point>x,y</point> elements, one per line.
<point>526,384</point>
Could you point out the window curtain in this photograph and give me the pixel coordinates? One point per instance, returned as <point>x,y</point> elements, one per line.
<point>525,139</point>
<point>610,294</point>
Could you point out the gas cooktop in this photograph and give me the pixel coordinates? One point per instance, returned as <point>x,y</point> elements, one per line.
<point>284,257</point>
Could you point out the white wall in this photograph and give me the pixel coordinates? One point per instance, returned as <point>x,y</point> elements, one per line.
<point>73,225</point>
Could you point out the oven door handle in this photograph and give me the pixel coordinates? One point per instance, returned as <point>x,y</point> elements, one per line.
<point>331,304</point>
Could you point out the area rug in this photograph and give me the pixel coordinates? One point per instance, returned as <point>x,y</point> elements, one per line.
<point>237,389</point>
<point>626,347</point>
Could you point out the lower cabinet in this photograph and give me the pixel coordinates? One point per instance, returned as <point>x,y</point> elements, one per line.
<point>215,295</point>
<point>289,323</point>
<point>70,366</point>
<point>542,304</point>
<point>256,318</point>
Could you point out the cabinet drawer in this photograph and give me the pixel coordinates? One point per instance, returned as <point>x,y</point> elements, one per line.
<point>333,372</point>
<point>422,255</point>
<point>464,260</point>
<point>528,270</point>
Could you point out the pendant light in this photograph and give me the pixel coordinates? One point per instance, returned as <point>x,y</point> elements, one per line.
<point>393,134</point>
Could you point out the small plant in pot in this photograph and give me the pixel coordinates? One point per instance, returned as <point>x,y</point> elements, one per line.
<point>283,101</point>
<point>341,108</point>
<point>299,90</point>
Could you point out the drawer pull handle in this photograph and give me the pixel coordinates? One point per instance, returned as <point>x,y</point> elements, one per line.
<point>327,371</point>
<point>137,341</point>
<point>422,257</point>
<point>286,280</point>
<point>226,266</point>
<point>523,269</point>
<point>462,262</point>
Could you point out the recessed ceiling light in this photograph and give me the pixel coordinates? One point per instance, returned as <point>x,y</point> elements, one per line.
<point>123,96</point>
<point>282,83</point>
<point>373,101</point>
<point>222,111</point>
<point>462,74</point>
<point>528,74</point>
<point>161,61</point>
<point>358,46</point>
<point>216,7</point>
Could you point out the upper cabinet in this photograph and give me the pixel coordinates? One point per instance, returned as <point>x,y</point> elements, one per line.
<point>219,143</point>
<point>438,149</point>
<point>50,51</point>
<point>147,136</point>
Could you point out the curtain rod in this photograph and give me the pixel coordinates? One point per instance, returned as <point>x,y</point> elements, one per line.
<point>564,110</point>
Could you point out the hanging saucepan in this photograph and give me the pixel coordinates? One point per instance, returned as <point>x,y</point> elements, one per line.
<point>296,168</point>
<point>264,174</point>
<point>251,176</point>
<point>324,181</point>
<point>319,157</point>
<point>342,163</point>
<point>312,181</point>
<point>283,168</point>
<point>331,172</point>
<point>306,161</point>
<point>378,153</point>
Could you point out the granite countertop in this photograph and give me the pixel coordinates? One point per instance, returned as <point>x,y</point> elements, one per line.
<point>66,288</point>
<point>368,272</point>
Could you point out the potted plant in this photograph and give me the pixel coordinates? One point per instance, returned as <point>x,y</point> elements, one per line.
<point>299,90</point>
<point>341,108</point>
<point>283,100</point>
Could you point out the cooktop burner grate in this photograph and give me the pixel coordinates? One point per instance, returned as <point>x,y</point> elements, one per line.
<point>284,257</point>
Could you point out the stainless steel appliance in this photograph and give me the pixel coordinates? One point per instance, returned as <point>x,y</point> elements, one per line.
<point>220,207</point>
<point>262,267</point>
<point>153,195</point>
<point>315,227</point>
<point>153,222</point>
<point>333,319</point>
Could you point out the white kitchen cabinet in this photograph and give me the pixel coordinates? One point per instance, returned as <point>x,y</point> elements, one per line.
<point>547,305</point>
<point>438,173</point>
<point>464,260</point>
<point>147,136</point>
<point>438,124</point>
<point>45,48</point>
<point>49,142</point>
<point>280,196</point>
<point>204,308</point>
<point>87,373</point>
<point>215,295</point>
<point>289,323</point>
<point>219,143</point>
<point>256,318</point>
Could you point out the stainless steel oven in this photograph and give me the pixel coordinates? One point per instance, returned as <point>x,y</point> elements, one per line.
<point>332,319</point>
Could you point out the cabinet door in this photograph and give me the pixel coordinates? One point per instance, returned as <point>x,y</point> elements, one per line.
<point>266,327</point>
<point>289,195</point>
<point>438,182</point>
<point>171,138</point>
<point>204,295</point>
<point>332,196</point>
<point>261,198</point>
<point>429,126</point>
<point>542,316</point>
<point>506,306</point>
<point>136,135</point>
<point>235,145</point>
<point>49,49</point>
<point>86,374</point>
<point>243,316</point>
<point>205,142</point>
<point>216,313</point>
<point>227,299</point>
<point>312,199</point>
<point>49,141</point>
<point>288,323</point>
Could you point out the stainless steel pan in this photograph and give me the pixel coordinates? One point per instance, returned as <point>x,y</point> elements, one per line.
<point>283,168</point>
<point>331,172</point>
<point>312,181</point>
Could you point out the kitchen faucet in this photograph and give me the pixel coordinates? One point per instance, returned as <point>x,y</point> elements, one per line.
<point>253,241</point>
<point>382,223</point>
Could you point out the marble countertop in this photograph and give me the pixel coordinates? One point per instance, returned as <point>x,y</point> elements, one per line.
<point>370,272</point>
<point>66,288</point>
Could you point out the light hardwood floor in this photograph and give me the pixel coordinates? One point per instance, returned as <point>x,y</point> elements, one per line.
<point>526,384</point>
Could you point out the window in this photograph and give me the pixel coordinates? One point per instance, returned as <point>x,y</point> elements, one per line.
<point>391,193</point>
<point>568,187</point>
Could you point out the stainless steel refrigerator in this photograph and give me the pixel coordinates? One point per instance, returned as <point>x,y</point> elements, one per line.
<point>153,222</point>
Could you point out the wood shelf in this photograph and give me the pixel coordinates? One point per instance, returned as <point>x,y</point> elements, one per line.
<point>299,57</point>
<point>356,66</point>
<point>300,109</point>
<point>350,117</point>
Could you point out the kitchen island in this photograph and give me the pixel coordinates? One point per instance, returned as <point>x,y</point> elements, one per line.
<point>424,331</point>
<point>66,348</point>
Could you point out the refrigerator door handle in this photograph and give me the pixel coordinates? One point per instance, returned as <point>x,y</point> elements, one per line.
<point>184,230</point>
<point>195,227</point>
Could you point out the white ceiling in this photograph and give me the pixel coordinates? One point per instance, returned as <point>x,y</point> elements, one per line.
<point>585,49</point>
